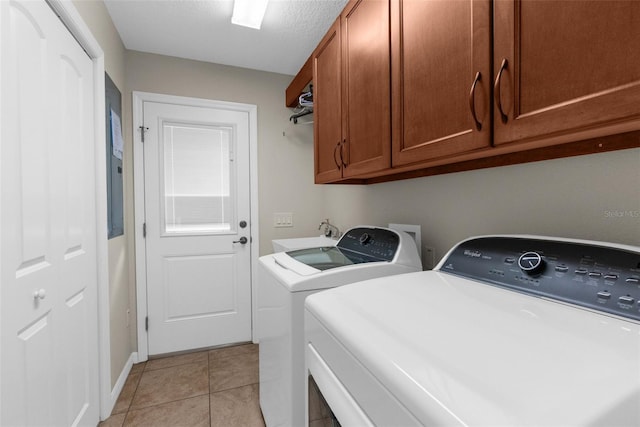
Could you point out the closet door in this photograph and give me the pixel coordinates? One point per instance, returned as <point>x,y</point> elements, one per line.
<point>366,92</point>
<point>49,362</point>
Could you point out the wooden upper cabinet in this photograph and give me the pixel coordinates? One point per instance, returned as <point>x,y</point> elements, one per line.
<point>366,124</point>
<point>441,78</point>
<point>565,69</point>
<point>401,85</point>
<point>352,105</point>
<point>327,106</point>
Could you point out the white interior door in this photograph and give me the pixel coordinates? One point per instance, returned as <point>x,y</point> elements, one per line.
<point>197,211</point>
<point>49,360</point>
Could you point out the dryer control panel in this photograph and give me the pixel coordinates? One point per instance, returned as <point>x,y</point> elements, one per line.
<point>595,276</point>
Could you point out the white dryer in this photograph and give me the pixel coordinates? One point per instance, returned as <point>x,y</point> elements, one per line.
<point>506,331</point>
<point>285,279</point>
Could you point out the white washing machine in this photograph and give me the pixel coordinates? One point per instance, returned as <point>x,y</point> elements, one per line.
<point>285,279</point>
<point>506,331</point>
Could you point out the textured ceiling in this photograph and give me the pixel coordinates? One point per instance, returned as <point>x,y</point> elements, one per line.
<point>202,30</point>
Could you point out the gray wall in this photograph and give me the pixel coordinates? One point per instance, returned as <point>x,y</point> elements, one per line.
<point>593,197</point>
<point>95,15</point>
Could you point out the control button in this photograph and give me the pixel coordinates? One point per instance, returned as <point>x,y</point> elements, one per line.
<point>581,271</point>
<point>626,299</point>
<point>364,238</point>
<point>633,280</point>
<point>562,268</point>
<point>595,274</point>
<point>509,260</point>
<point>604,294</point>
<point>531,263</point>
<point>610,276</point>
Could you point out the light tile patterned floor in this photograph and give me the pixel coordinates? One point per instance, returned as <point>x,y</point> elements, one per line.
<point>207,388</point>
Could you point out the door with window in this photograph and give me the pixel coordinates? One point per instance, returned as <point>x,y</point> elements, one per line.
<point>197,210</point>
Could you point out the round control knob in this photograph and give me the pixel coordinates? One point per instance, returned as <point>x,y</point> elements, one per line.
<point>364,238</point>
<point>531,263</point>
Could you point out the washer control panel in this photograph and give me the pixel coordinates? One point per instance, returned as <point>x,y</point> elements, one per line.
<point>594,276</point>
<point>380,243</point>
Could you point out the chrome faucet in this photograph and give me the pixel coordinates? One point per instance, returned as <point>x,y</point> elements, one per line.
<point>330,230</point>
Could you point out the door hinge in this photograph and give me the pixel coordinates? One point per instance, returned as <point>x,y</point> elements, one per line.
<point>142,131</point>
<point>144,229</point>
<point>146,323</point>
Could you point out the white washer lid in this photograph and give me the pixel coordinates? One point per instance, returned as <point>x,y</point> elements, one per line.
<point>288,263</point>
<point>452,349</point>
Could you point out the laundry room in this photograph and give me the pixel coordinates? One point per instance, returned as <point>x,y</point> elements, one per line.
<point>509,138</point>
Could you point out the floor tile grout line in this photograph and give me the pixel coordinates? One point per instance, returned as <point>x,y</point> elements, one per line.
<point>133,396</point>
<point>209,353</point>
<point>126,413</point>
<point>174,366</point>
<point>167,402</point>
<point>233,388</point>
<point>209,384</point>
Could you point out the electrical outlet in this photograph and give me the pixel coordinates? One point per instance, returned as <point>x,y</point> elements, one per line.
<point>283,219</point>
<point>428,258</point>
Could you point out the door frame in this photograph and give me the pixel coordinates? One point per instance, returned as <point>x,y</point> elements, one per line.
<point>75,24</point>
<point>139,196</point>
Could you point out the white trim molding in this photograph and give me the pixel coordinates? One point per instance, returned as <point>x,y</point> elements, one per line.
<point>138,99</point>
<point>122,379</point>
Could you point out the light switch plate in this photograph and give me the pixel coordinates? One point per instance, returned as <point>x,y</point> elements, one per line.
<point>283,219</point>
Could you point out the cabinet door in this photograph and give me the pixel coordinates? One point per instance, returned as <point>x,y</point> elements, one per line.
<point>366,87</point>
<point>569,67</point>
<point>441,78</point>
<point>327,108</point>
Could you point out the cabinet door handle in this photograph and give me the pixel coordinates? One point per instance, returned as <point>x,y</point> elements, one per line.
<point>334,155</point>
<point>344,144</point>
<point>472,100</point>
<point>496,90</point>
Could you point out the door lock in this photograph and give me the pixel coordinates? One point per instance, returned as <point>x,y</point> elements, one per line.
<point>243,224</point>
<point>243,240</point>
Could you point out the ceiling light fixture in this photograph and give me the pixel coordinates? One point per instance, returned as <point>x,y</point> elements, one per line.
<point>249,13</point>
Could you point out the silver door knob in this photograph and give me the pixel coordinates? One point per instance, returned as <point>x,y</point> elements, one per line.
<point>242,240</point>
<point>39,294</point>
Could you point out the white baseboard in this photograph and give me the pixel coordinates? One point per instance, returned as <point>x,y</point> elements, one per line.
<point>119,385</point>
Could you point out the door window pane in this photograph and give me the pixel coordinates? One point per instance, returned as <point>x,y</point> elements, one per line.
<point>198,196</point>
